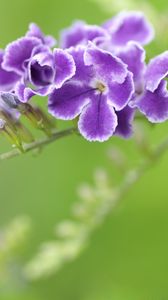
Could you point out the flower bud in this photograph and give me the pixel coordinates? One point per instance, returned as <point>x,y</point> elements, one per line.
<point>24,133</point>
<point>2,124</point>
<point>8,129</point>
<point>35,117</point>
<point>10,99</point>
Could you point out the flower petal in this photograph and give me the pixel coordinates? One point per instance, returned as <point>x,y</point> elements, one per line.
<point>64,65</point>
<point>24,93</point>
<point>80,33</point>
<point>133,55</point>
<point>125,118</point>
<point>7,79</point>
<point>98,120</point>
<point>129,26</point>
<point>120,94</point>
<point>83,73</point>
<point>67,102</point>
<point>35,31</point>
<point>154,105</point>
<point>41,70</point>
<point>18,52</point>
<point>156,71</point>
<point>108,67</point>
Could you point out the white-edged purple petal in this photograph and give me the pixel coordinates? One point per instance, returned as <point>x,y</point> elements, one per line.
<point>120,94</point>
<point>67,102</point>
<point>154,105</point>
<point>7,79</point>
<point>35,31</point>
<point>73,35</point>
<point>17,52</point>
<point>156,71</point>
<point>98,120</point>
<point>80,33</point>
<point>40,49</point>
<point>133,55</point>
<point>41,69</point>
<point>64,65</point>
<point>125,118</point>
<point>129,26</point>
<point>24,93</point>
<point>83,73</point>
<point>107,67</point>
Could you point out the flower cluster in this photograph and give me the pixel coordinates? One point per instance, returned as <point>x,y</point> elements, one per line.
<point>97,75</point>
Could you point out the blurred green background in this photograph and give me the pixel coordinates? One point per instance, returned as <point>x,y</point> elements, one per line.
<point>127,258</point>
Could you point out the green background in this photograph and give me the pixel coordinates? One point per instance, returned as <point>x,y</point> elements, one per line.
<point>127,258</point>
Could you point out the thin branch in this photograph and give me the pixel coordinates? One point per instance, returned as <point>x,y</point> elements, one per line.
<point>39,143</point>
<point>133,176</point>
<point>39,267</point>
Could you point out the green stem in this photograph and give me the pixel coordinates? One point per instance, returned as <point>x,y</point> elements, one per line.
<point>39,143</point>
<point>130,179</point>
<point>35,269</point>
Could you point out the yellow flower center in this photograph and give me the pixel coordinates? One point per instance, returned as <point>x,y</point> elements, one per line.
<point>101,87</point>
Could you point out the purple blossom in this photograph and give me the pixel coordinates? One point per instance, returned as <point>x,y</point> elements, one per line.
<point>81,33</point>
<point>47,70</point>
<point>18,53</point>
<point>98,76</point>
<point>41,68</point>
<point>101,86</point>
<point>153,101</point>
<point>129,26</point>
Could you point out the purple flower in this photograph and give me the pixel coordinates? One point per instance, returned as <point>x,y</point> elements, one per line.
<point>99,77</point>
<point>35,31</point>
<point>153,102</point>
<point>7,79</point>
<point>41,68</point>
<point>129,26</point>
<point>101,87</point>
<point>46,70</point>
<point>80,33</point>
<point>18,53</point>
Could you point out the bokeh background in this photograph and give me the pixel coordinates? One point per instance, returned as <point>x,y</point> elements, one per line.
<point>127,258</point>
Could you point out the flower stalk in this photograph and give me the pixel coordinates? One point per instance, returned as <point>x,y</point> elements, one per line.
<point>39,144</point>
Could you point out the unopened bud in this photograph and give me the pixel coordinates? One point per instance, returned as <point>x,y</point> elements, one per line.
<point>2,123</point>
<point>8,129</point>
<point>34,116</point>
<point>24,133</point>
<point>10,99</point>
